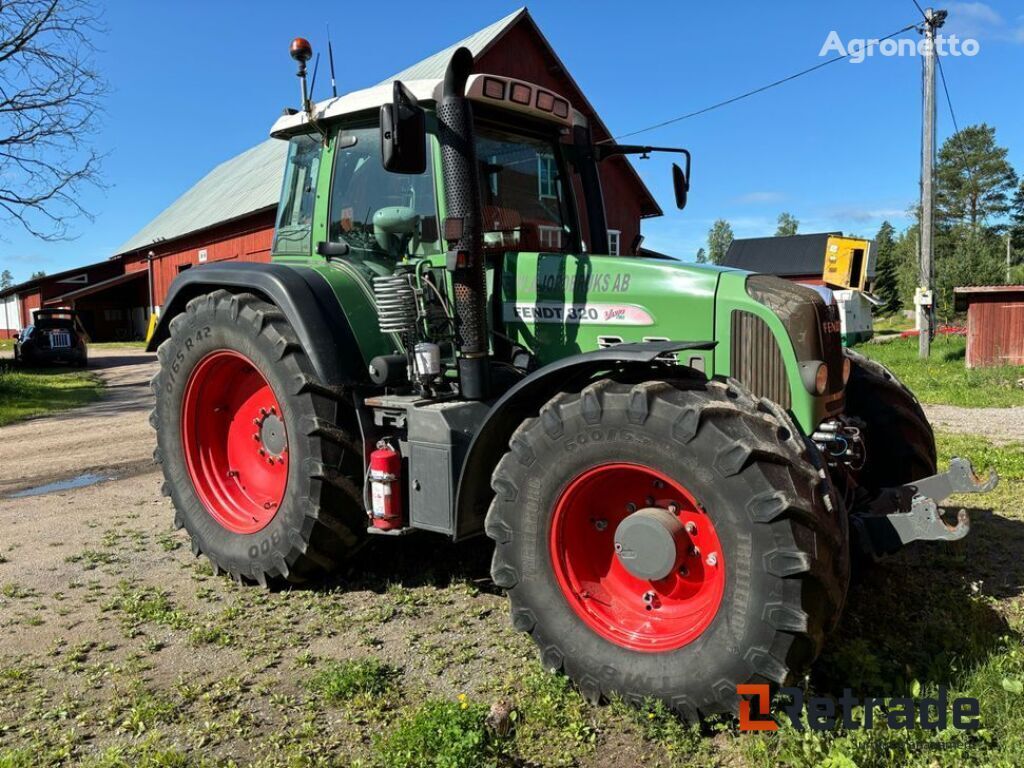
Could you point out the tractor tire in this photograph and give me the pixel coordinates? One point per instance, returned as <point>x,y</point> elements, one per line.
<point>898,440</point>
<point>262,473</point>
<point>757,564</point>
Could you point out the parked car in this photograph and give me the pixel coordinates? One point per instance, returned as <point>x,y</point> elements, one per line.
<point>55,336</point>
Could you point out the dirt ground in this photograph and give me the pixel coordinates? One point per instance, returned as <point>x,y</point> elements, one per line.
<point>1000,425</point>
<point>117,646</point>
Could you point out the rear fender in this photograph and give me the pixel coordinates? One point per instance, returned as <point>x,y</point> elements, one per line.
<point>524,400</point>
<point>306,299</point>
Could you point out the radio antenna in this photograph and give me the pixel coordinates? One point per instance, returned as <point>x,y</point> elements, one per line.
<point>312,82</point>
<point>330,59</point>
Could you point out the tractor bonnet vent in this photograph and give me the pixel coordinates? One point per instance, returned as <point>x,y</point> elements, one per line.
<point>756,359</point>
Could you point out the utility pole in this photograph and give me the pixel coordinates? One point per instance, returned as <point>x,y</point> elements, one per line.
<point>926,308</point>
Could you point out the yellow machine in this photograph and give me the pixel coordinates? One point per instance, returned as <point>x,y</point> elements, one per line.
<point>846,263</point>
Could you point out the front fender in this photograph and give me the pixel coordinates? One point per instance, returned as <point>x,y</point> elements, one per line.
<point>525,399</point>
<point>302,294</point>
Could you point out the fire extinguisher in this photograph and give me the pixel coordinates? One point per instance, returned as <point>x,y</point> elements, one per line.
<point>386,487</point>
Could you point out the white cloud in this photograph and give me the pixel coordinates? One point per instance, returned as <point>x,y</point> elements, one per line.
<point>982,21</point>
<point>759,197</point>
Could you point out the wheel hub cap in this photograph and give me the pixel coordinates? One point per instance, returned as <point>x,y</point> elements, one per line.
<point>636,557</point>
<point>647,543</point>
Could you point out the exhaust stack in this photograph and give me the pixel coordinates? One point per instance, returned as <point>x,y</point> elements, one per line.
<point>463,229</point>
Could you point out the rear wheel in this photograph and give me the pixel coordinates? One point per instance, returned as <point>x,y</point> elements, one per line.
<point>262,476</point>
<point>670,540</point>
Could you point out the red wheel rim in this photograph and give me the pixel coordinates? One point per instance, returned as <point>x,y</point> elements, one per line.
<point>640,614</point>
<point>236,446</point>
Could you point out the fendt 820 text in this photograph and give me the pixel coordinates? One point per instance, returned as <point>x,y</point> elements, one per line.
<point>676,463</point>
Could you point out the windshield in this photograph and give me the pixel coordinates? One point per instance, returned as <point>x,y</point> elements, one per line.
<point>376,211</point>
<point>295,212</point>
<point>523,193</point>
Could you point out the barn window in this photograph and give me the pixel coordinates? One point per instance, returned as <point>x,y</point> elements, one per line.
<point>547,176</point>
<point>613,241</point>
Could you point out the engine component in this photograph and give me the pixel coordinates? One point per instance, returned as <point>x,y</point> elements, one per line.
<point>386,488</point>
<point>388,370</point>
<point>396,302</point>
<point>841,443</point>
<point>426,361</point>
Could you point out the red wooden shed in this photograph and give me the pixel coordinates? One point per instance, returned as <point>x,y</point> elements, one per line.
<point>995,324</point>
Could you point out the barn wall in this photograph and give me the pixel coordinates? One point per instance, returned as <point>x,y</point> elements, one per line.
<point>29,301</point>
<point>995,330</point>
<point>247,239</point>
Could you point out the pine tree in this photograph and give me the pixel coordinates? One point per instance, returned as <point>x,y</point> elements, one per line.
<point>719,240</point>
<point>702,256</point>
<point>974,180</point>
<point>887,287</point>
<point>787,225</point>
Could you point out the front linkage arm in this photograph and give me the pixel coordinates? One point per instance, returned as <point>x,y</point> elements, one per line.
<point>911,512</point>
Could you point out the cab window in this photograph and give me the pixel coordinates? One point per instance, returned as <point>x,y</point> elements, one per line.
<point>378,212</point>
<point>298,196</point>
<point>523,192</point>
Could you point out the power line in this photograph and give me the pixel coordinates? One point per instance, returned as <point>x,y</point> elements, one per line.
<point>756,91</point>
<point>956,127</point>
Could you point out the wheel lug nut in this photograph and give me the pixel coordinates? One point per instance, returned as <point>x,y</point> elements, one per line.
<point>694,551</point>
<point>600,524</point>
<point>659,484</point>
<point>618,547</point>
<point>691,528</point>
<point>263,411</point>
<point>684,571</point>
<point>631,507</point>
<point>673,508</point>
<point>649,596</point>
<point>712,559</point>
<point>649,501</point>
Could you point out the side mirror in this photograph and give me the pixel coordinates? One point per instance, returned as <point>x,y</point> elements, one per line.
<point>403,133</point>
<point>681,183</point>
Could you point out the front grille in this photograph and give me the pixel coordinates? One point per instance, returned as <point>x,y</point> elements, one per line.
<point>756,359</point>
<point>831,344</point>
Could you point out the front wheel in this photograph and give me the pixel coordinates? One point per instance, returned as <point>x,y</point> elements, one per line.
<point>262,473</point>
<point>668,540</point>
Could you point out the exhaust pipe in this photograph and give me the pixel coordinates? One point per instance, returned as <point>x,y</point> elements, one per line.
<point>463,228</point>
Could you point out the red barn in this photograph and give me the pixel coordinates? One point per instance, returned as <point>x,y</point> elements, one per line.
<point>995,324</point>
<point>229,214</point>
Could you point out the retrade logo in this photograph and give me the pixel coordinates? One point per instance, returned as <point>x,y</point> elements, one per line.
<point>824,713</point>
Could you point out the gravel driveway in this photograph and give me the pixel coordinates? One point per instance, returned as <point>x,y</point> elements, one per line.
<point>1000,425</point>
<point>112,434</point>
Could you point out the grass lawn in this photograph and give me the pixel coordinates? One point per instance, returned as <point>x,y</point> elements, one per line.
<point>37,391</point>
<point>944,379</point>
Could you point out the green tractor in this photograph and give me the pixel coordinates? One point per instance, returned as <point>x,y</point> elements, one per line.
<point>677,463</point>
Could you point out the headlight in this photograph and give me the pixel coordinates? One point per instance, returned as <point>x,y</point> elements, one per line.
<point>815,376</point>
<point>821,379</point>
<point>847,369</point>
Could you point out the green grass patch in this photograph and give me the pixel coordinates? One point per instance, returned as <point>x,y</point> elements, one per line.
<point>28,392</point>
<point>944,378</point>
<point>441,734</point>
<point>1007,460</point>
<point>117,345</point>
<point>338,681</point>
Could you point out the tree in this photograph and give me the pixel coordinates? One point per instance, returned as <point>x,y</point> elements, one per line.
<point>49,102</point>
<point>973,178</point>
<point>6,280</point>
<point>37,275</point>
<point>702,256</point>
<point>788,225</point>
<point>887,285</point>
<point>719,240</point>
<point>1017,218</point>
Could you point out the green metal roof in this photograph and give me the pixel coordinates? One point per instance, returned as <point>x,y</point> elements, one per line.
<point>435,66</point>
<point>242,185</point>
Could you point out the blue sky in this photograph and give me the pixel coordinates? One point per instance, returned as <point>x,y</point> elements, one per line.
<point>194,83</point>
